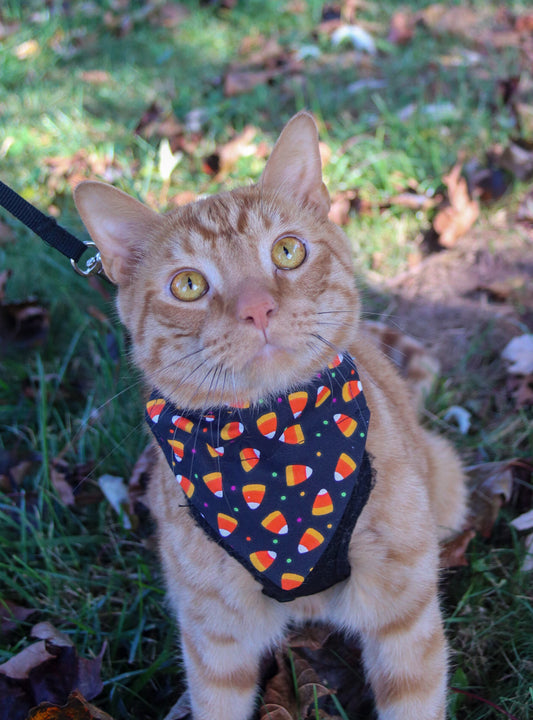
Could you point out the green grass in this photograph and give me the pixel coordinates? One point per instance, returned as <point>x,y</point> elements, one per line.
<point>78,395</point>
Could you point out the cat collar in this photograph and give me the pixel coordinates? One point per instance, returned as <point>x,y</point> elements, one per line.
<point>279,485</point>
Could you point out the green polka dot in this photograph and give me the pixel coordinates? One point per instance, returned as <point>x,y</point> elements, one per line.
<point>196,475</point>
<point>289,560</point>
<point>319,434</point>
<point>235,509</point>
<point>343,494</point>
<point>275,541</point>
<point>283,497</point>
<point>326,422</point>
<point>332,374</point>
<point>274,474</point>
<point>361,434</point>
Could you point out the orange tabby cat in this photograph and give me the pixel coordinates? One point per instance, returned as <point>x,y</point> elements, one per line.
<point>235,303</point>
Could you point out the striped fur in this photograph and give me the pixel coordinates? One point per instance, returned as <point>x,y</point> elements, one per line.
<point>212,351</point>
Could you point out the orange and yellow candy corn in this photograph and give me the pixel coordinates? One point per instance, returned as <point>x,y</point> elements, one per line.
<point>154,408</point>
<point>345,424</point>
<point>267,424</point>
<point>226,524</point>
<point>323,503</point>
<point>276,523</point>
<point>253,495</point>
<point>249,458</point>
<point>296,474</point>
<point>262,559</point>
<point>310,540</point>
<point>345,466</point>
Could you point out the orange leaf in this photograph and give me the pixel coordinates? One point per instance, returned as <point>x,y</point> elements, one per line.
<point>76,708</point>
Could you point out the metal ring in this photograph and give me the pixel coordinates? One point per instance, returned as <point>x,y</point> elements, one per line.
<point>93,266</point>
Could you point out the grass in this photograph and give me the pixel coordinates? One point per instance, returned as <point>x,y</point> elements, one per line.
<point>77,396</point>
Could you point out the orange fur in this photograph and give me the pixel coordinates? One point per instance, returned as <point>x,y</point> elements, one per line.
<point>260,330</point>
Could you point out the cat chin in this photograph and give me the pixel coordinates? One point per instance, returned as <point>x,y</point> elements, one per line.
<point>275,370</point>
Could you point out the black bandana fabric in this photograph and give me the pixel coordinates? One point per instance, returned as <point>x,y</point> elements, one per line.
<point>279,485</point>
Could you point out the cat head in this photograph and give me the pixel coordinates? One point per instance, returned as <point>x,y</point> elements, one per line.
<point>236,296</point>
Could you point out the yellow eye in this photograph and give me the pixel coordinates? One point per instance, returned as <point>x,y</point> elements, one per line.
<point>188,285</point>
<point>288,252</point>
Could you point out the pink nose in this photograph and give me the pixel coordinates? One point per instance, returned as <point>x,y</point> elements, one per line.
<point>255,305</point>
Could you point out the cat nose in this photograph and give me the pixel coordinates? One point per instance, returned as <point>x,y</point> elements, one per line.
<point>256,306</point>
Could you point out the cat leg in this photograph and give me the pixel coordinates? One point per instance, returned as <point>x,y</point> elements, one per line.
<point>222,652</point>
<point>391,602</point>
<point>406,663</point>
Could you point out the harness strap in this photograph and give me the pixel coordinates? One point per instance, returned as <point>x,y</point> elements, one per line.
<point>42,225</point>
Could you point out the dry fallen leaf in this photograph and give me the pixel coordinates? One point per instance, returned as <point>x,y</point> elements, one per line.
<point>226,156</point>
<point>291,694</point>
<point>22,324</point>
<point>12,614</point>
<point>456,218</point>
<point>47,670</point>
<point>453,552</point>
<point>96,77</point>
<point>402,27</point>
<point>76,708</point>
<point>517,158</point>
<point>491,486</point>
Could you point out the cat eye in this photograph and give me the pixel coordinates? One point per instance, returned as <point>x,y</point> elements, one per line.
<point>188,285</point>
<point>288,252</point>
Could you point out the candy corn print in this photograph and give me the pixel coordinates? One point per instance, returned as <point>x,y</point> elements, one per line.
<point>279,485</point>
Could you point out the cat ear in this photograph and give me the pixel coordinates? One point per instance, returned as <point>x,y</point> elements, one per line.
<point>295,168</point>
<point>117,223</point>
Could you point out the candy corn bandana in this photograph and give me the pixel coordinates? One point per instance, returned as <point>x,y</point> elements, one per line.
<point>279,485</point>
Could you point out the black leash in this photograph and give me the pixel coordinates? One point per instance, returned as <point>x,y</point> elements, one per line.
<point>48,230</point>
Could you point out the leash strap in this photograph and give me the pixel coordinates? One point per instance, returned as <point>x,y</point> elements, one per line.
<point>48,230</point>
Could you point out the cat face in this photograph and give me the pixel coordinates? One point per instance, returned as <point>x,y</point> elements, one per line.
<point>236,296</point>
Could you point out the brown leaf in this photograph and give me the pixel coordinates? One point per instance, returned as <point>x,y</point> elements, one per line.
<point>491,486</point>
<point>525,210</point>
<point>521,388</point>
<point>12,614</point>
<point>8,28</point>
<point>414,201</point>
<point>452,552</point>
<point>517,158</point>
<point>20,665</point>
<point>48,670</point>
<point>182,198</point>
<point>344,203</point>
<point>170,14</point>
<point>336,659</point>
<point>290,694</point>
<point>454,220</point>
<point>71,482</point>
<point>6,234</point>
<point>76,708</point>
<point>96,77</point>
<point>524,23</point>
<point>14,467</point>
<point>238,82</point>
<point>23,324</point>
<point>402,27</point>
<point>226,157</point>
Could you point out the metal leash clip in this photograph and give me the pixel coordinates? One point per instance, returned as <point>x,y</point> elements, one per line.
<point>93,265</point>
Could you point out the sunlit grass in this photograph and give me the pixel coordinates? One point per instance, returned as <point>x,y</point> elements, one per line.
<point>78,395</point>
